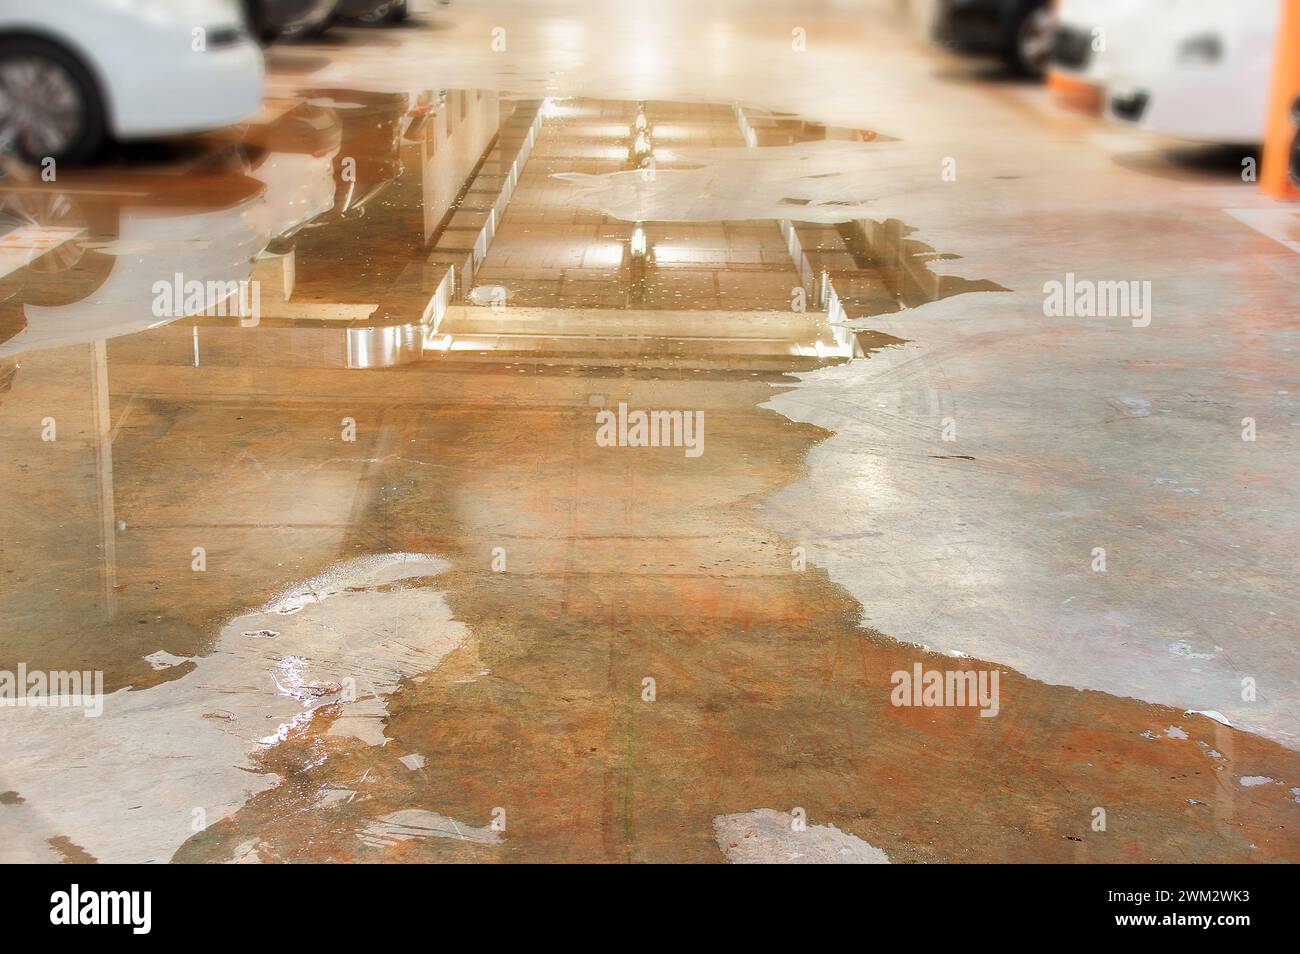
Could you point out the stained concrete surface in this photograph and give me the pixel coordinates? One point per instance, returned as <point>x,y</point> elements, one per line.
<point>563,574</point>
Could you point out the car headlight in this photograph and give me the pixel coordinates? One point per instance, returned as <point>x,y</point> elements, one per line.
<point>1201,50</point>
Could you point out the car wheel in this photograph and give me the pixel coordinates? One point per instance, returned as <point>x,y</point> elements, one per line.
<point>1293,168</point>
<point>259,26</point>
<point>49,105</point>
<point>1032,39</point>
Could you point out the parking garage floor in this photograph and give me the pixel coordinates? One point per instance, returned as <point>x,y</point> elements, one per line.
<point>366,582</point>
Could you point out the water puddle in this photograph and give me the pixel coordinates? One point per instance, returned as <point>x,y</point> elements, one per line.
<point>162,758</point>
<point>360,229</point>
<point>386,323</point>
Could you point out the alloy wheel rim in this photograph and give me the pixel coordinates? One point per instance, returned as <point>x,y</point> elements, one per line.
<point>1036,39</point>
<point>41,105</point>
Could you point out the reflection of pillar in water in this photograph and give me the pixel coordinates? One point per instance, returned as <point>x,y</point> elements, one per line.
<point>104,475</point>
<point>1225,792</point>
<point>638,265</point>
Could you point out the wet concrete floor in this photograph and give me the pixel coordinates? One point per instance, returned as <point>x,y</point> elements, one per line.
<point>365,585</point>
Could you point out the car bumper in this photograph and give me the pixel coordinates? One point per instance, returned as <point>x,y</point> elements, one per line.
<point>1193,105</point>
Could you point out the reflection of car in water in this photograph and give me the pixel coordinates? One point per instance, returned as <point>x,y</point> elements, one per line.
<point>73,72</point>
<point>1196,69</point>
<point>268,19</point>
<point>97,280</point>
<point>368,158</point>
<point>295,156</point>
<point>82,264</point>
<point>295,19</point>
<point>1018,31</point>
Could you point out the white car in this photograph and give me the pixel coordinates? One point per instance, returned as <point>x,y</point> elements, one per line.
<point>1194,69</point>
<point>73,72</point>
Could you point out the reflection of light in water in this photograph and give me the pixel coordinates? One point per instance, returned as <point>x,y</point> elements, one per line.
<point>358,351</point>
<point>559,109</point>
<point>603,131</point>
<point>684,255</point>
<point>606,254</point>
<point>670,132</point>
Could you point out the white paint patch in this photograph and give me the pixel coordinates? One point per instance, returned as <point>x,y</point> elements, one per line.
<point>126,786</point>
<point>1277,222</point>
<point>1251,781</point>
<point>1130,407</point>
<point>248,852</point>
<point>1185,649</point>
<point>766,836</point>
<point>1212,753</point>
<point>1173,732</point>
<point>418,823</point>
<point>413,761</point>
<point>164,660</point>
<point>334,796</point>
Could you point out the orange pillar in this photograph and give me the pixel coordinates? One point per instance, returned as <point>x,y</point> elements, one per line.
<point>1281,129</point>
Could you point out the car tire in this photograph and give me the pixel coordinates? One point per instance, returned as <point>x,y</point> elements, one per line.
<point>1293,165</point>
<point>1029,39</point>
<point>36,78</point>
<point>261,28</point>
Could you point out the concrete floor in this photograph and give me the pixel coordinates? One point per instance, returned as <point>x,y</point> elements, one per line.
<point>430,600</point>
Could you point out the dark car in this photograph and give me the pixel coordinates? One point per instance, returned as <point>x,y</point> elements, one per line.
<point>271,19</point>
<point>1018,31</point>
